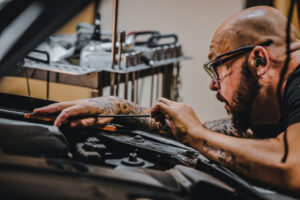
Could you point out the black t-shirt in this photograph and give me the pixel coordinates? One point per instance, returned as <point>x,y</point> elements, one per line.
<point>291,99</point>
<point>290,109</point>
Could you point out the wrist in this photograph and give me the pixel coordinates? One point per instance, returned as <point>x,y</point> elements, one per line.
<point>194,133</point>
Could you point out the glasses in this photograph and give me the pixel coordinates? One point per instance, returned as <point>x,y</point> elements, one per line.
<point>212,65</point>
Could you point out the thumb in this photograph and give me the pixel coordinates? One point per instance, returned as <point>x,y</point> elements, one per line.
<point>160,108</point>
<point>160,111</point>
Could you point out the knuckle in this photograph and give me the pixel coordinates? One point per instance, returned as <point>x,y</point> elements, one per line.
<point>176,107</point>
<point>159,104</point>
<point>188,106</point>
<point>54,105</point>
<point>64,112</point>
<point>73,123</point>
<point>100,121</point>
<point>83,123</point>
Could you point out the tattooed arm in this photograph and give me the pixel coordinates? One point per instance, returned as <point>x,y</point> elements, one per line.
<point>101,105</point>
<point>120,106</point>
<point>257,159</point>
<point>225,126</point>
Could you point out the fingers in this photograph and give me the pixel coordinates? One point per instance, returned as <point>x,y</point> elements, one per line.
<point>54,108</point>
<point>164,100</point>
<point>73,111</point>
<point>90,122</point>
<point>160,108</point>
<point>160,111</point>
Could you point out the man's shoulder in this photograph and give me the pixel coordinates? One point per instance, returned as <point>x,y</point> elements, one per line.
<point>295,75</point>
<point>292,84</point>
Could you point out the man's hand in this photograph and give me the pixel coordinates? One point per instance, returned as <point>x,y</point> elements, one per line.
<point>97,106</point>
<point>93,106</point>
<point>181,117</point>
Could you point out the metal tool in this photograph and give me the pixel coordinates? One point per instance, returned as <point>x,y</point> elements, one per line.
<point>113,51</point>
<point>97,30</point>
<point>121,39</point>
<point>177,81</point>
<point>133,77</point>
<point>159,57</point>
<point>157,82</point>
<point>138,62</point>
<point>127,64</point>
<point>137,87</point>
<point>152,86</point>
<point>154,58</point>
<point>132,86</point>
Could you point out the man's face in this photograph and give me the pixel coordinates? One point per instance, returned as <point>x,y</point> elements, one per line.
<point>238,90</point>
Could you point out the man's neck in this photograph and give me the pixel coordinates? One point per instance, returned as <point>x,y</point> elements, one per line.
<point>293,64</point>
<point>266,109</point>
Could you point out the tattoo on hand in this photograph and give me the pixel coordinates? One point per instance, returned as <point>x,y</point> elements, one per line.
<point>115,105</point>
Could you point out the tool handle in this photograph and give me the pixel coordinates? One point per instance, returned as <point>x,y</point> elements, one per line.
<point>139,34</point>
<point>154,40</point>
<point>108,128</point>
<point>47,61</point>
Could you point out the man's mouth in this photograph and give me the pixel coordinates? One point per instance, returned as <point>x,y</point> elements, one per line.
<point>227,108</point>
<point>222,99</point>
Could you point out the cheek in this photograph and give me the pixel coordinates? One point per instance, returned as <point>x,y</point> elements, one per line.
<point>229,87</point>
<point>227,92</point>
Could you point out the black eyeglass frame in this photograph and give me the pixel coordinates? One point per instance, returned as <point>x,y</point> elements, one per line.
<point>211,65</point>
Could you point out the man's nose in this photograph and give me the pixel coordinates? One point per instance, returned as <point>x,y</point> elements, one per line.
<point>214,85</point>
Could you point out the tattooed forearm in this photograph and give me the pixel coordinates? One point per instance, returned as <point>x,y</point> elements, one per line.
<point>226,158</point>
<point>225,126</point>
<point>115,105</point>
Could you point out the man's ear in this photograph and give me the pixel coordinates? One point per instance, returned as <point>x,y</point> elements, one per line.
<point>259,60</point>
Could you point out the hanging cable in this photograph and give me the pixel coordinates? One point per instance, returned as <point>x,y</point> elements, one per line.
<point>283,73</point>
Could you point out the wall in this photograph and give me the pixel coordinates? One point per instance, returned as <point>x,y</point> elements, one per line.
<point>195,22</point>
<point>284,6</point>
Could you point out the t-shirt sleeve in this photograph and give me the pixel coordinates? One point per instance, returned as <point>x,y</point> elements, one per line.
<point>292,102</point>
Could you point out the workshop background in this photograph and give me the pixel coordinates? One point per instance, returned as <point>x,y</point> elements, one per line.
<point>194,21</point>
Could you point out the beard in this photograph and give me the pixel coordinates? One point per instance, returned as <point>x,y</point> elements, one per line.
<point>243,99</point>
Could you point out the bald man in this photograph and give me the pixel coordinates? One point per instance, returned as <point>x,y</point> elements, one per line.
<point>247,54</point>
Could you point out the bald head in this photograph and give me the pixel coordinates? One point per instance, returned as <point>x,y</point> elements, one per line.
<point>251,26</point>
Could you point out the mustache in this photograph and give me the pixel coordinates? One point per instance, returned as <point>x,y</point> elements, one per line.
<point>221,98</point>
